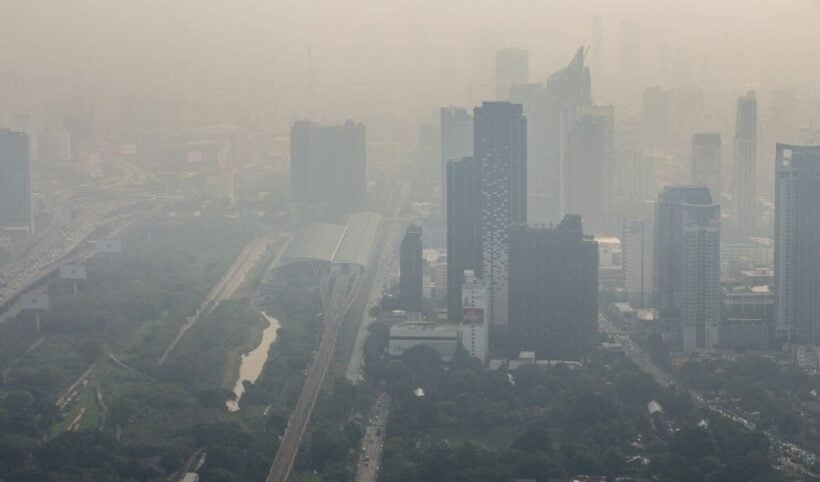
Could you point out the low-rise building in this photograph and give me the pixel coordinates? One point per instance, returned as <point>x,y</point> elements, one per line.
<point>441,337</point>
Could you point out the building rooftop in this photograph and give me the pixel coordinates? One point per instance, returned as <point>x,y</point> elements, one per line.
<point>350,243</point>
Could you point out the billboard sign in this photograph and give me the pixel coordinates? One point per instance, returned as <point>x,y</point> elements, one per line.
<point>110,246</point>
<point>72,271</point>
<point>473,316</point>
<point>34,301</point>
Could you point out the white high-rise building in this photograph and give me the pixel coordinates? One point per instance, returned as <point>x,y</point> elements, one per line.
<point>474,329</point>
<point>700,312</point>
<point>637,261</point>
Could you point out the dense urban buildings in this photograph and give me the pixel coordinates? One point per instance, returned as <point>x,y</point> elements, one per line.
<point>411,264</point>
<point>797,243</point>
<point>745,167</point>
<point>463,238</point>
<point>328,169</point>
<point>512,66</point>
<point>500,149</point>
<point>554,290</point>
<point>15,181</point>
<point>705,171</point>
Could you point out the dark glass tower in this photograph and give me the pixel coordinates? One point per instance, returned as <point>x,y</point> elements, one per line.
<point>554,290</point>
<point>411,265</point>
<point>500,151</point>
<point>463,239</point>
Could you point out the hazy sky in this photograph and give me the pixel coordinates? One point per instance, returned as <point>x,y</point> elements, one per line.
<point>372,57</point>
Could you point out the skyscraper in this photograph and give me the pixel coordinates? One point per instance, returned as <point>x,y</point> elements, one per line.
<point>328,167</point>
<point>637,261</point>
<point>512,66</point>
<point>411,264</point>
<point>745,168</point>
<point>554,290</point>
<point>700,259</point>
<point>568,90</point>
<point>463,239</point>
<point>668,252</point>
<point>797,243</point>
<point>456,143</point>
<point>500,147</point>
<point>589,171</point>
<point>705,169</point>
<point>15,181</point>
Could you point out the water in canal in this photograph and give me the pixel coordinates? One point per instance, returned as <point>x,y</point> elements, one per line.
<point>254,361</point>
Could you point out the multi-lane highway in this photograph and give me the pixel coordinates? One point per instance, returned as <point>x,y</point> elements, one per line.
<point>339,289</point>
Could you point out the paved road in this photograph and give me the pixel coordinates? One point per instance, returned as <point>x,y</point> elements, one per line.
<point>367,469</point>
<point>386,265</point>
<point>338,292</point>
<point>224,288</point>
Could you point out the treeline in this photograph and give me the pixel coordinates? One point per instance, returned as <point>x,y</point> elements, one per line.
<point>548,424</point>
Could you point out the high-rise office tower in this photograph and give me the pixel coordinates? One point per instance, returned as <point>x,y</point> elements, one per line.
<point>463,239</point>
<point>328,166</point>
<point>705,169</point>
<point>656,115</point>
<point>552,110</point>
<point>512,66</point>
<point>456,143</point>
<point>411,264</point>
<point>797,243</point>
<point>700,260</point>
<point>589,170</point>
<point>745,168</point>
<point>668,259</point>
<point>637,261</point>
<point>542,203</point>
<point>554,290</point>
<point>500,149</point>
<point>474,331</point>
<point>15,181</point>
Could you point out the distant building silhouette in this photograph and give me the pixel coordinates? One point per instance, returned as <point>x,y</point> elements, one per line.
<point>328,167</point>
<point>15,181</point>
<point>456,143</point>
<point>551,110</point>
<point>512,66</point>
<point>554,290</point>
<point>463,239</point>
<point>589,170</point>
<point>745,168</point>
<point>705,169</point>
<point>500,149</point>
<point>411,264</point>
<point>656,116</point>
<point>797,243</point>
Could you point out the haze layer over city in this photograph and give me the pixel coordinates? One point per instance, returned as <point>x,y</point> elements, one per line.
<point>399,241</point>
